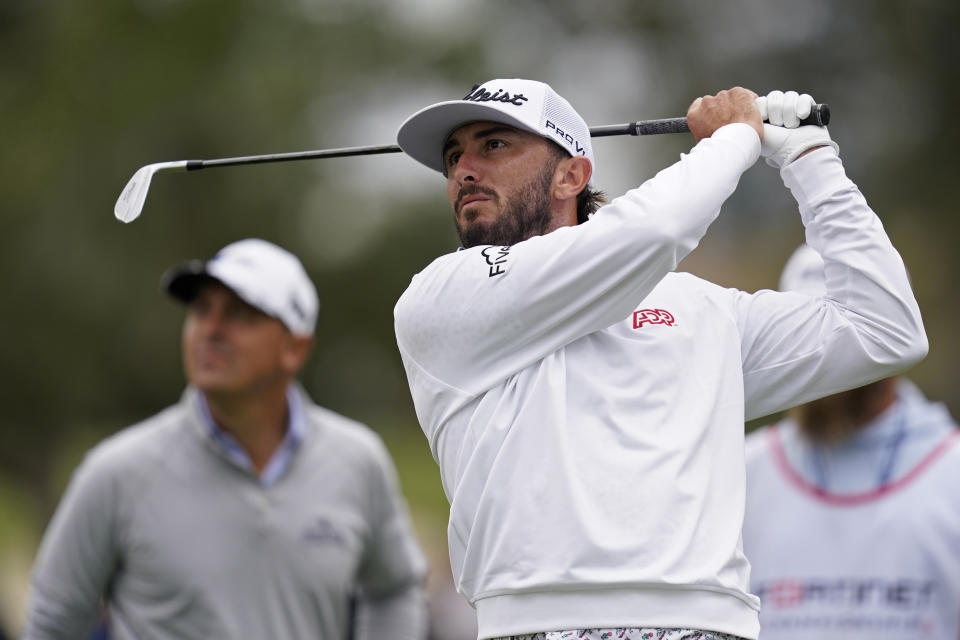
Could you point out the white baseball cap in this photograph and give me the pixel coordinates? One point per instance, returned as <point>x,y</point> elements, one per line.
<point>804,273</point>
<point>525,104</point>
<point>262,274</point>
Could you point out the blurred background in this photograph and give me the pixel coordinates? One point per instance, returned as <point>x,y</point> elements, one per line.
<point>91,92</point>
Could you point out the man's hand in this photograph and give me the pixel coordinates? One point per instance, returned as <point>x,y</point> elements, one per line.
<point>709,113</point>
<point>783,140</point>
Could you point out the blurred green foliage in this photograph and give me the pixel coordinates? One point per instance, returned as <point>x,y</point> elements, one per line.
<point>89,93</point>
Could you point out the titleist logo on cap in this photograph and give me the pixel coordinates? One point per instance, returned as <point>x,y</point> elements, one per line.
<point>479,94</point>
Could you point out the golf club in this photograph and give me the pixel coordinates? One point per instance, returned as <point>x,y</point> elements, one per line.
<point>130,203</point>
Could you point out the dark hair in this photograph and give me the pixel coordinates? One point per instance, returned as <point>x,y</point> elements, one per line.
<point>588,200</point>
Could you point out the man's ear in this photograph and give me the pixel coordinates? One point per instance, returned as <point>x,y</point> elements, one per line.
<point>571,177</point>
<point>296,354</point>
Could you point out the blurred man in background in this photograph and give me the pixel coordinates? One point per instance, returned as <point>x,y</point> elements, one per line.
<point>245,510</point>
<point>852,523</point>
<point>585,403</point>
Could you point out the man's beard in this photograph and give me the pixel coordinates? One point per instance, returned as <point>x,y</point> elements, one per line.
<point>526,213</point>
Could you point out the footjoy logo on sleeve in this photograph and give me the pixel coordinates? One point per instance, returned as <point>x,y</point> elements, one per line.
<point>652,316</point>
<point>496,258</point>
<point>478,94</point>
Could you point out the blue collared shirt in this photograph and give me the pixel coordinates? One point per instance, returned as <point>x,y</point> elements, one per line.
<point>283,456</point>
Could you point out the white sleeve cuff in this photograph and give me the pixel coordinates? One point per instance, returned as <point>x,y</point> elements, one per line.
<point>815,177</point>
<point>744,137</point>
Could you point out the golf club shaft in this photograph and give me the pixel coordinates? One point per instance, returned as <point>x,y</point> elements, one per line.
<point>820,115</point>
<point>193,165</point>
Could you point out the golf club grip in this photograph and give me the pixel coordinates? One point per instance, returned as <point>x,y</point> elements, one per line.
<point>819,115</point>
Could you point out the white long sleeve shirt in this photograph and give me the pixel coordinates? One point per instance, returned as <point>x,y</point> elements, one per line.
<point>586,405</point>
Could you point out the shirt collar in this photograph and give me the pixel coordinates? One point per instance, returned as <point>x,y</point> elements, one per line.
<point>281,459</point>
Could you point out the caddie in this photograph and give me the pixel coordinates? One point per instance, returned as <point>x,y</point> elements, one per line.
<point>852,522</point>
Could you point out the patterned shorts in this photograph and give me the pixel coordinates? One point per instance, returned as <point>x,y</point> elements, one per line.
<point>624,634</point>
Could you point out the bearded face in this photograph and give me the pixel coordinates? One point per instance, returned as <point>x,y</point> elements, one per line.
<point>500,183</point>
<point>524,212</point>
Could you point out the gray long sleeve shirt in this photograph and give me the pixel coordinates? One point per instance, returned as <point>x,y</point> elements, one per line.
<point>182,542</point>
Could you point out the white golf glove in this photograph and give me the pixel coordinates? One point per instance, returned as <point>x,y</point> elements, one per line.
<point>783,138</point>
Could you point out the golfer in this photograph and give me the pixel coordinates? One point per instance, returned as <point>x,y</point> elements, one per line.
<point>585,403</point>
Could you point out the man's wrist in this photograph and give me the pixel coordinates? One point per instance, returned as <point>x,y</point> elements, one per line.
<point>744,137</point>
<point>821,146</point>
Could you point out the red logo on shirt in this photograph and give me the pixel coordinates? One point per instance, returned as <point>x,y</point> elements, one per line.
<point>652,316</point>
